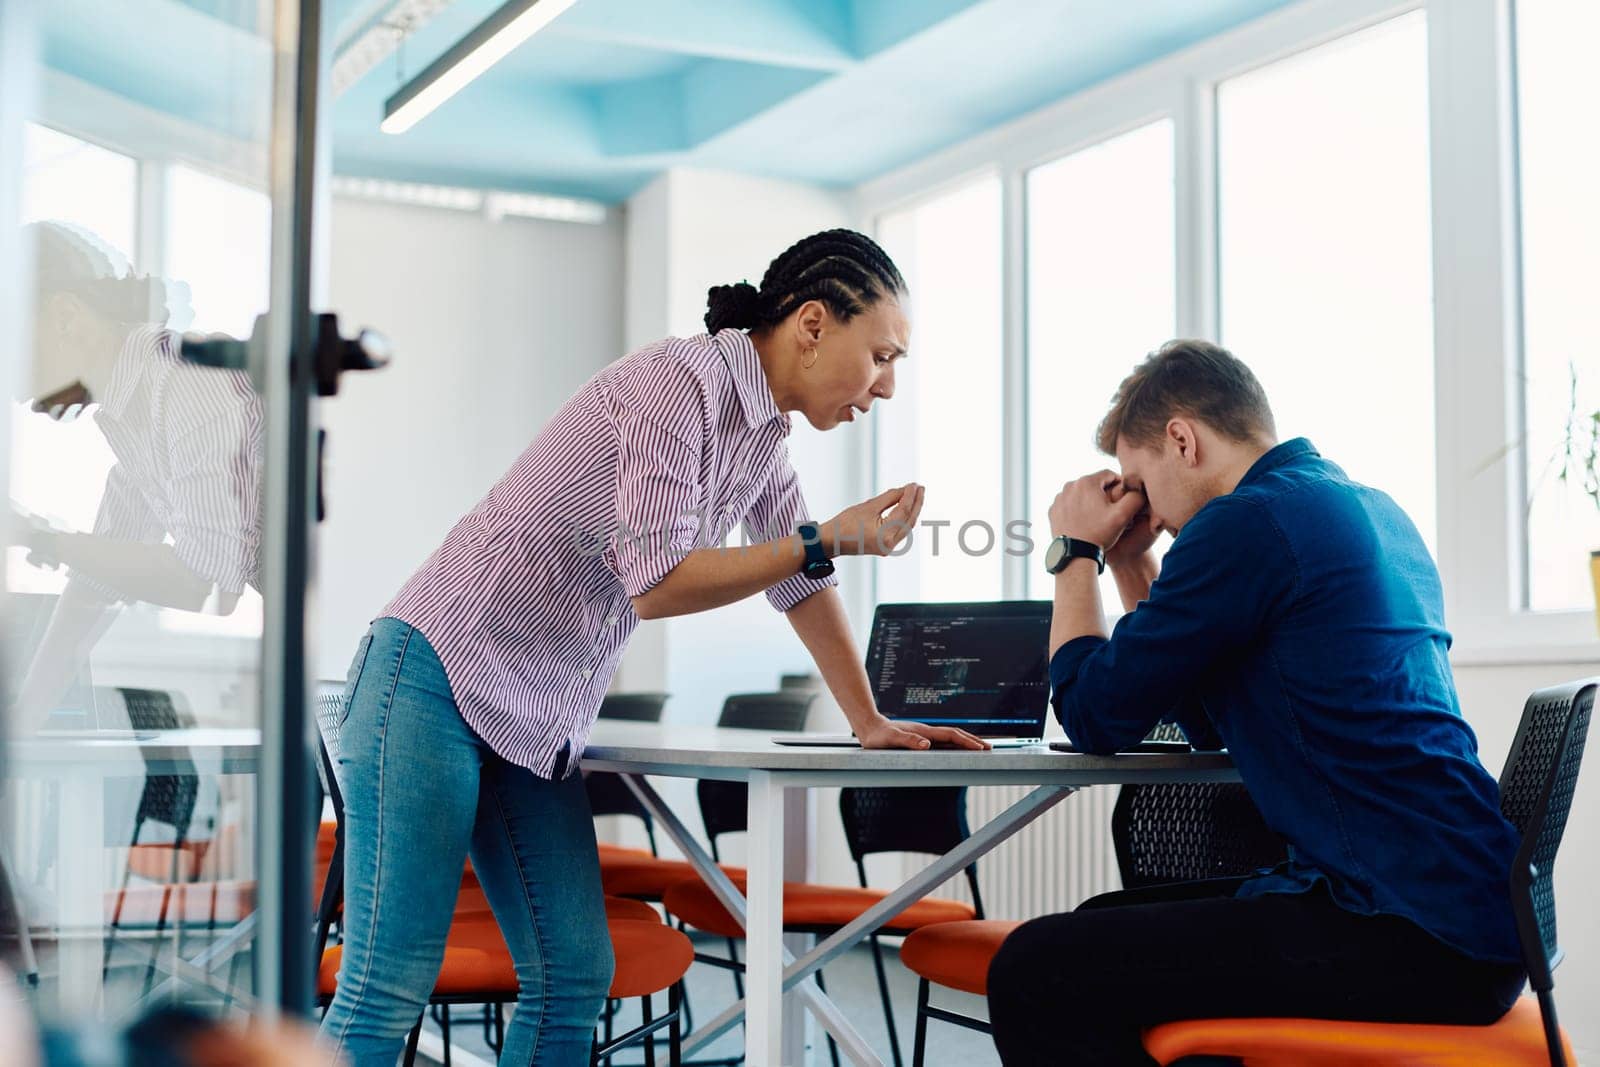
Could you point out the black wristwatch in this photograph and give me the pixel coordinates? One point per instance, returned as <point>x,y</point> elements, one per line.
<point>1063,550</point>
<point>817,565</point>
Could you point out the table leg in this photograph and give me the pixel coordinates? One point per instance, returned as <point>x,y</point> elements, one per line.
<point>826,1012</point>
<point>80,892</point>
<point>764,1044</point>
<point>798,866</point>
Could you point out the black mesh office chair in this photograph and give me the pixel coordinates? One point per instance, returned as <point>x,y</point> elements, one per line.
<point>633,707</point>
<point>924,819</point>
<point>1536,797</point>
<point>724,806</point>
<point>330,717</point>
<point>608,793</point>
<point>1536,789</point>
<point>167,799</point>
<point>1185,831</point>
<point>1161,833</point>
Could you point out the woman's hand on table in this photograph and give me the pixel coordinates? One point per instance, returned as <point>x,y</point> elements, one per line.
<point>884,733</point>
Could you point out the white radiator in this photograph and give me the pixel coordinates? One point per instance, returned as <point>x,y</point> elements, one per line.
<point>1054,864</point>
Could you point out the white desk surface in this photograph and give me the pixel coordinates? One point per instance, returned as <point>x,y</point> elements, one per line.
<point>232,746</point>
<point>708,752</point>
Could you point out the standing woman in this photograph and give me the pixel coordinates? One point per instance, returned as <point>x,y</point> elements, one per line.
<point>469,702</point>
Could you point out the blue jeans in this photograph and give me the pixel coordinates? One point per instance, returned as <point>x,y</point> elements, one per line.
<point>421,791</point>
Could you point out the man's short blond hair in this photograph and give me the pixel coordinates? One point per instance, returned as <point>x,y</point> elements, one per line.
<point>1196,379</point>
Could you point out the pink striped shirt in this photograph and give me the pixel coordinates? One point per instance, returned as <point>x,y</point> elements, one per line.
<point>527,602</point>
<point>188,445</point>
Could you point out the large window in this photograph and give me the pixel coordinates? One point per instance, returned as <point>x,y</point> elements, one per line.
<point>1325,254</point>
<point>1100,296</point>
<point>218,242</point>
<point>80,183</point>
<point>1560,214</point>
<point>1286,207</point>
<point>943,426</point>
<point>94,191</point>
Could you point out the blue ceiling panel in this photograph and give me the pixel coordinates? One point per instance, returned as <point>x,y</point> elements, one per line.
<point>987,64</point>
<point>167,56</point>
<point>613,92</point>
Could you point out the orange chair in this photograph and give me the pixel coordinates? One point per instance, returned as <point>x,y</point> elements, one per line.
<point>1169,832</point>
<point>957,956</point>
<point>477,967</point>
<point>930,820</point>
<point>203,896</point>
<point>632,872</point>
<point>1535,796</point>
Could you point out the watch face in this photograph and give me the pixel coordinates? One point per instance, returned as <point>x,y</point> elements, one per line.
<point>819,569</point>
<point>1055,555</point>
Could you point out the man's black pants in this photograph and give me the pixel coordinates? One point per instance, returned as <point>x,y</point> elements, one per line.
<point>1077,988</point>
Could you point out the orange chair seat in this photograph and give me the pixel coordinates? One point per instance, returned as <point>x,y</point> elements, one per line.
<point>1518,1038</point>
<point>647,877</point>
<point>326,839</point>
<point>476,961</point>
<point>616,852</point>
<point>807,906</point>
<point>156,862</point>
<point>956,955</point>
<point>649,958</point>
<point>221,903</point>
<point>636,910</point>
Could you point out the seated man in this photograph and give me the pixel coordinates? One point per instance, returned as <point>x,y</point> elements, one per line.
<point>1299,617</point>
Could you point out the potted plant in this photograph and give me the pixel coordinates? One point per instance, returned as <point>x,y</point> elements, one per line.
<point>1580,463</point>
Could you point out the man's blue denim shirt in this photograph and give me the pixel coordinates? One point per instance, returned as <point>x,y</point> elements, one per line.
<point>1302,617</point>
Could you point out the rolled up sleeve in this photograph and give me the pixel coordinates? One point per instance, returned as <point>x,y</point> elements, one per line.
<point>1227,575</point>
<point>215,464</point>
<point>660,492</point>
<point>776,512</point>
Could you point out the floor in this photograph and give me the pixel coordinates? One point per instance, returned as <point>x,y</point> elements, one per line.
<point>852,985</point>
<point>850,980</point>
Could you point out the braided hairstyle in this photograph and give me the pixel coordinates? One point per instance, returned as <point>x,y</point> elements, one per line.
<point>72,260</point>
<point>844,269</point>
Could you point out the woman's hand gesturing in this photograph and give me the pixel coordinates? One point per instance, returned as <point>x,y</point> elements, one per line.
<point>874,527</point>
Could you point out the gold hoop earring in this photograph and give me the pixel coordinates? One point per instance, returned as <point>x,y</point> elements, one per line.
<point>808,363</point>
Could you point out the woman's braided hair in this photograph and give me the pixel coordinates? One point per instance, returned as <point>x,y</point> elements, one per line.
<point>844,269</point>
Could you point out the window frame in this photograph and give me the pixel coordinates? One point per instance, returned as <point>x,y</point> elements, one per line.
<point>1476,248</point>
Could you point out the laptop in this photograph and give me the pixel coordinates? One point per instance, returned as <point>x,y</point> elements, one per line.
<point>981,666</point>
<point>79,712</point>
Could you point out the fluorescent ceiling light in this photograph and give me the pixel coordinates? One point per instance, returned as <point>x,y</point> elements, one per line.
<point>490,42</point>
<point>443,196</point>
<point>494,204</point>
<point>377,38</point>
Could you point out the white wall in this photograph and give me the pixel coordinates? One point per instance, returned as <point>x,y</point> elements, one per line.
<point>494,325</point>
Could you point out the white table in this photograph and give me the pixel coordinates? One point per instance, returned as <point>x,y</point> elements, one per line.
<point>772,1038</point>
<point>83,765</point>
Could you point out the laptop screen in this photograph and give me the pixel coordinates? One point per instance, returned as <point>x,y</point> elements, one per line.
<point>22,630</point>
<point>982,666</point>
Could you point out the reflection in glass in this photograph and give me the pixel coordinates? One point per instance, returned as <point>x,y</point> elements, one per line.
<point>127,869</point>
